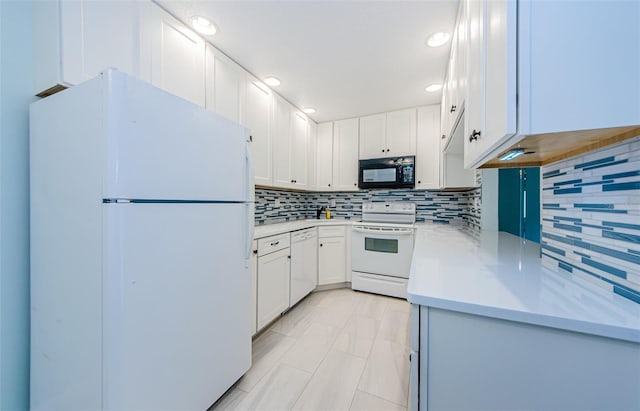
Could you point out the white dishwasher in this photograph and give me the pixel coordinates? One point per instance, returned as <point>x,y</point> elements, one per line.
<point>304,263</point>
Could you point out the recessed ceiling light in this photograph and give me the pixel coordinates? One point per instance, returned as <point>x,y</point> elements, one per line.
<point>309,110</point>
<point>433,87</point>
<point>203,25</point>
<point>438,39</point>
<point>272,81</point>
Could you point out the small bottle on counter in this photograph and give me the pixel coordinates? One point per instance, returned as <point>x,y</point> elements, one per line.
<point>328,213</point>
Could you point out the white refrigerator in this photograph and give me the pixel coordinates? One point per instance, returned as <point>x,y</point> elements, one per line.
<point>141,230</point>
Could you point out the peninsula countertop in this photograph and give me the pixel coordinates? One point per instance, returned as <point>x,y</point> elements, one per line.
<point>499,275</point>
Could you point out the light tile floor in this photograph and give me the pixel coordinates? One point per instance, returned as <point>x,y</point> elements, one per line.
<point>335,350</point>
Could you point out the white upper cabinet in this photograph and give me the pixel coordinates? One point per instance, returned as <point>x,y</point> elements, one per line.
<point>373,136</point>
<point>454,89</point>
<point>258,118</point>
<point>401,133</point>
<point>173,54</point>
<point>324,154</point>
<point>281,143</point>
<point>312,166</point>
<point>290,148</point>
<point>388,134</point>
<point>567,77</point>
<point>345,155</point>
<point>226,85</point>
<point>491,107</point>
<point>299,150</point>
<point>76,40</point>
<point>428,155</point>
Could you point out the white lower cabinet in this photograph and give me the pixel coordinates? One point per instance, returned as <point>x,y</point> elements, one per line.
<point>273,278</point>
<point>332,255</point>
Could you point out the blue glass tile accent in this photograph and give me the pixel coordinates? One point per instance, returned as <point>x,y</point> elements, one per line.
<point>594,226</point>
<point>604,267</point>
<point>621,175</point>
<point>632,185</point>
<point>627,293</point>
<point>575,190</point>
<point>564,183</point>
<point>630,238</point>
<point>565,266</point>
<point>584,205</point>
<point>567,227</point>
<point>581,254</point>
<point>600,210</point>
<point>552,249</point>
<point>553,173</point>
<point>575,220</point>
<point>594,183</point>
<point>594,162</point>
<point>606,165</point>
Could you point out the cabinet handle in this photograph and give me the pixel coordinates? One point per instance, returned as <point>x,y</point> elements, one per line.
<point>276,243</point>
<point>443,136</point>
<point>387,150</point>
<point>255,251</point>
<point>355,184</point>
<point>383,150</point>
<point>329,185</point>
<point>474,135</point>
<point>419,182</point>
<point>289,257</point>
<point>453,108</point>
<point>320,244</point>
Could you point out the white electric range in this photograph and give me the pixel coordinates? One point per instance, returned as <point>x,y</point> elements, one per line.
<point>382,247</point>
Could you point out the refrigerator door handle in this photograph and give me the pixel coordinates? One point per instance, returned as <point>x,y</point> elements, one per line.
<point>248,169</point>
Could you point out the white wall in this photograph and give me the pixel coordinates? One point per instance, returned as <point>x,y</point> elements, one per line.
<point>16,65</point>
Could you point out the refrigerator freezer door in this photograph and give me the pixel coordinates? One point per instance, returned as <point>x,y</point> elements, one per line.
<point>160,146</point>
<point>176,304</point>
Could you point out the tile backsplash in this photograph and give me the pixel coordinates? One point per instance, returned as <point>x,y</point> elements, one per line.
<point>455,207</point>
<point>591,217</point>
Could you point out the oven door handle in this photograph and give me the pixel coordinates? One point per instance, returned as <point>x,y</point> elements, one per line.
<point>383,230</point>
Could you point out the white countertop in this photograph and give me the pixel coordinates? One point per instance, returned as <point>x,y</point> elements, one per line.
<point>266,230</point>
<point>501,276</point>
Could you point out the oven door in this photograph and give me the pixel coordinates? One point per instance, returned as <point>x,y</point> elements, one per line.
<point>382,250</point>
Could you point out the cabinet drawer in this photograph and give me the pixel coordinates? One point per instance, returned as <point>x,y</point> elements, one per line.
<point>274,243</point>
<point>332,231</point>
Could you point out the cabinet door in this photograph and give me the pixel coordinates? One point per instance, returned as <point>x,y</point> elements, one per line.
<point>474,116</point>
<point>229,85</point>
<point>345,155</point>
<point>401,133</point>
<point>299,150</point>
<point>90,43</point>
<point>281,143</point>
<point>273,286</point>
<point>258,119</point>
<point>312,167</point>
<point>177,56</point>
<point>331,260</point>
<point>500,73</point>
<point>373,136</point>
<point>325,156</point>
<point>461,55</point>
<point>452,87</point>
<point>428,156</point>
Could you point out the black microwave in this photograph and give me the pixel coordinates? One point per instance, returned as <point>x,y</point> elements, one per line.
<point>390,172</point>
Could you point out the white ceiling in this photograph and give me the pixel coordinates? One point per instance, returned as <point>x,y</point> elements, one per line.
<point>344,58</point>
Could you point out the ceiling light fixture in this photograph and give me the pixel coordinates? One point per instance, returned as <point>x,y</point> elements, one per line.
<point>309,110</point>
<point>438,39</point>
<point>272,81</point>
<point>203,25</point>
<point>433,87</point>
<point>511,154</point>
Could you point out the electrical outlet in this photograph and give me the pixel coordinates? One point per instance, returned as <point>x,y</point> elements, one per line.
<point>332,202</point>
<point>277,202</point>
